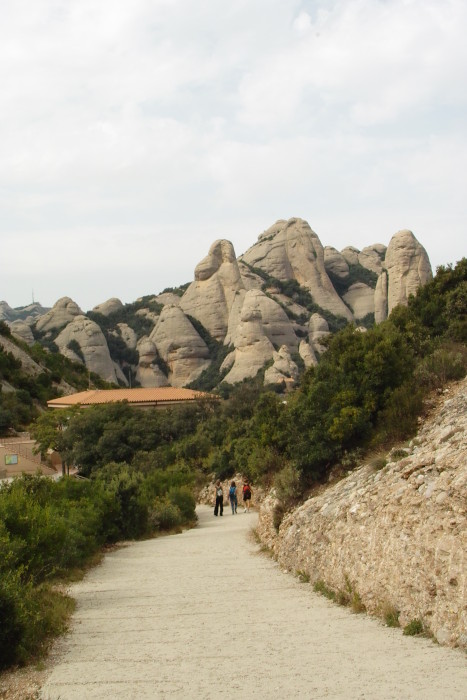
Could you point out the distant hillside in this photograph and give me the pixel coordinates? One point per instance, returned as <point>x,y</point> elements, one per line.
<point>30,376</point>
<point>267,311</point>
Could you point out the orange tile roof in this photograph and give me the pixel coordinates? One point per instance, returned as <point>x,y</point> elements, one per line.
<point>165,394</point>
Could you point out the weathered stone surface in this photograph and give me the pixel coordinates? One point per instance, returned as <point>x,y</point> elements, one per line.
<point>250,279</point>
<point>361,299</point>
<point>108,307</point>
<point>29,314</point>
<point>128,335</point>
<point>307,354</point>
<point>211,296</point>
<point>284,368</point>
<point>93,346</point>
<point>252,346</point>
<point>350,254</point>
<point>180,346</point>
<point>27,363</point>
<point>381,297</point>
<point>64,311</point>
<point>372,257</point>
<point>148,374</point>
<point>318,329</point>
<point>291,250</point>
<point>23,331</point>
<point>408,267</point>
<point>335,262</point>
<point>168,299</point>
<point>397,535</point>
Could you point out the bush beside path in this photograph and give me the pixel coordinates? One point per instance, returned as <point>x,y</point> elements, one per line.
<point>204,615</point>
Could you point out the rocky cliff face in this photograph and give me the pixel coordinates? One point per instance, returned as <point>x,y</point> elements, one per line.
<point>291,250</point>
<point>249,304</point>
<point>397,535</point>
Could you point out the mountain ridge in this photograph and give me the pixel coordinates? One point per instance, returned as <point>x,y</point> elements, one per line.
<point>265,310</point>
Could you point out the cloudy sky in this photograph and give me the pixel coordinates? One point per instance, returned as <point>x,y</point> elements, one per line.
<point>134,133</point>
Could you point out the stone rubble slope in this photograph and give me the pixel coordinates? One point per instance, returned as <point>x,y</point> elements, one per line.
<point>398,535</point>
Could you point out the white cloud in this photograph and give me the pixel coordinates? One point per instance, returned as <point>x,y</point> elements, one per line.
<point>195,121</point>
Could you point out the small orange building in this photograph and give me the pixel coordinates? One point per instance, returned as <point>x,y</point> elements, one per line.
<point>160,397</point>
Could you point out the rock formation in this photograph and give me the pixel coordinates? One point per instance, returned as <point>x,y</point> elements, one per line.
<point>361,299</point>
<point>86,335</point>
<point>63,312</point>
<point>108,307</point>
<point>408,267</point>
<point>397,535</point>
<point>284,369</point>
<point>211,296</point>
<point>335,263</point>
<point>22,330</point>
<point>148,372</point>
<point>251,303</point>
<point>252,346</point>
<point>318,329</point>
<point>180,346</point>
<point>291,250</point>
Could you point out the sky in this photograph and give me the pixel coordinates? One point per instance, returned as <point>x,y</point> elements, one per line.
<point>135,133</point>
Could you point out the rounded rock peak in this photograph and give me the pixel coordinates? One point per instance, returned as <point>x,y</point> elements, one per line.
<point>108,307</point>
<point>221,251</point>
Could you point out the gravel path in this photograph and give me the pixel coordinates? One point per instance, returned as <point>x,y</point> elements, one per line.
<point>202,615</point>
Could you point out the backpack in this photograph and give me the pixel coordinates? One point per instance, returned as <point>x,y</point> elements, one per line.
<point>219,491</point>
<point>232,491</point>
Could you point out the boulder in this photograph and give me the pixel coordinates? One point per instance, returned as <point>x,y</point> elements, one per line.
<point>211,296</point>
<point>275,323</point>
<point>180,346</point>
<point>408,267</point>
<point>372,257</point>
<point>148,373</point>
<point>284,369</point>
<point>128,335</point>
<point>361,299</point>
<point>64,311</point>
<point>350,254</point>
<point>318,329</point>
<point>307,354</point>
<point>23,331</point>
<point>335,262</point>
<point>92,344</point>
<point>108,307</point>
<point>291,250</point>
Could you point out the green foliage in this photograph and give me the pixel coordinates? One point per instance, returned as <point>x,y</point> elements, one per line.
<point>391,616</point>
<point>320,587</point>
<point>212,376</point>
<point>179,291</point>
<point>5,329</point>
<point>357,273</point>
<point>441,305</point>
<point>414,628</point>
<point>75,347</point>
<point>288,485</point>
<point>447,362</point>
<point>124,487</point>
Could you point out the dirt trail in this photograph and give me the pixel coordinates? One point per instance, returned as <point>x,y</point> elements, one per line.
<point>202,615</point>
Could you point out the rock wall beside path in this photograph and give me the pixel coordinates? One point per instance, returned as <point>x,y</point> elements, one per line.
<point>397,535</point>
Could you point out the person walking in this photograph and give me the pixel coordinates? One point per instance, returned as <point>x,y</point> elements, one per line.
<point>246,496</point>
<point>233,497</point>
<point>219,507</point>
